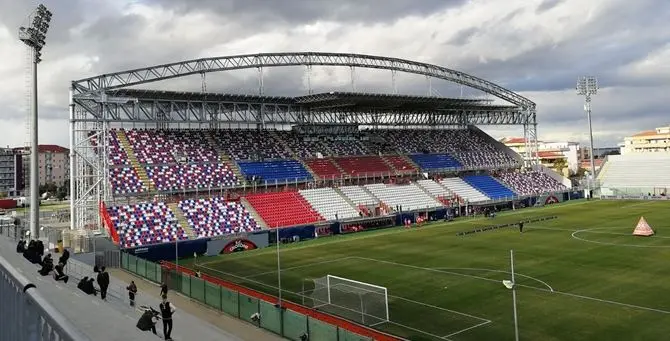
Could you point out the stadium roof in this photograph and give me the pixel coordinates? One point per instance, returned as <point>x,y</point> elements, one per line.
<point>326,100</point>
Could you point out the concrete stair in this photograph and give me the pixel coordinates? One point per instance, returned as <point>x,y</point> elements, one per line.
<point>339,168</point>
<point>390,165</point>
<point>181,219</point>
<point>351,203</point>
<point>254,214</point>
<point>311,172</point>
<point>411,162</point>
<point>283,143</point>
<point>425,190</point>
<point>130,151</point>
<point>225,159</point>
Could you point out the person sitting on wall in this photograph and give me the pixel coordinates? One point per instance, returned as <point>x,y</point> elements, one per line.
<point>64,257</point>
<point>59,275</point>
<point>47,265</point>
<point>89,288</point>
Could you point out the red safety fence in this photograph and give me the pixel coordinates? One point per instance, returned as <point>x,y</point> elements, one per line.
<point>107,221</point>
<point>330,319</point>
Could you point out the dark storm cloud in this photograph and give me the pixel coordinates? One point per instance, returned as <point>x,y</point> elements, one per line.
<point>300,11</point>
<point>547,5</point>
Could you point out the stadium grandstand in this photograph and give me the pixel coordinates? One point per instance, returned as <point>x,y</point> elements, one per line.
<point>165,175</point>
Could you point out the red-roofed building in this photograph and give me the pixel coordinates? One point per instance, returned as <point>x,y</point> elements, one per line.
<point>564,155</point>
<point>648,141</point>
<point>54,164</point>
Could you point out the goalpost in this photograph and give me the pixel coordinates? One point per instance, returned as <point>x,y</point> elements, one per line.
<point>361,302</point>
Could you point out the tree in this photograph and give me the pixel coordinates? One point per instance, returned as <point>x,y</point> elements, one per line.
<point>560,165</point>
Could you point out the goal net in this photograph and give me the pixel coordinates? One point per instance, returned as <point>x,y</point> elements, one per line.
<point>357,301</point>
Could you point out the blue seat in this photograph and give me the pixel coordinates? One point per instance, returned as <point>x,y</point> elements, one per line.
<point>435,161</point>
<point>489,186</point>
<point>280,171</point>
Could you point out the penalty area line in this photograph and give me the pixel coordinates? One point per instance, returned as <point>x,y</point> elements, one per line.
<point>300,266</point>
<point>466,329</point>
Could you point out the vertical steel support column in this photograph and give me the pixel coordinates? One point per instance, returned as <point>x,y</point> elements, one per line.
<point>34,157</point>
<point>73,165</point>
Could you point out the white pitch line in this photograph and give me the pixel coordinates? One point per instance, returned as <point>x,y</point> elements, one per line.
<point>608,301</point>
<point>536,288</point>
<point>440,308</point>
<point>300,266</point>
<point>446,272</point>
<point>378,323</point>
<point>417,330</point>
<point>504,272</point>
<point>574,235</point>
<point>466,329</point>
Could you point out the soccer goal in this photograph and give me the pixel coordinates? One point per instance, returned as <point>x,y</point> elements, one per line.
<point>360,302</point>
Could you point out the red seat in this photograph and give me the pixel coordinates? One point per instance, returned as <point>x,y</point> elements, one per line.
<point>283,209</point>
<point>324,168</point>
<point>363,165</point>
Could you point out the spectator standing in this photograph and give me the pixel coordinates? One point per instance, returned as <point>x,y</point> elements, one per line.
<point>167,310</point>
<point>103,282</point>
<point>164,290</point>
<point>132,291</point>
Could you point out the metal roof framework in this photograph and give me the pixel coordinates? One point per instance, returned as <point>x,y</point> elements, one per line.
<point>98,102</point>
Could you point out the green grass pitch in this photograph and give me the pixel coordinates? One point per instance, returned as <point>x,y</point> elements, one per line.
<point>582,276</point>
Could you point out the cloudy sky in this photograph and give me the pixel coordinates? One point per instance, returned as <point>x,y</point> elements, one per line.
<point>535,47</point>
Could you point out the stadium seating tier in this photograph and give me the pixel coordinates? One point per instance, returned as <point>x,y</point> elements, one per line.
<point>491,187</point>
<point>282,209</point>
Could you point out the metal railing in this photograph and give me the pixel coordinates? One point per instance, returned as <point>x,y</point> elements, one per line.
<point>26,315</point>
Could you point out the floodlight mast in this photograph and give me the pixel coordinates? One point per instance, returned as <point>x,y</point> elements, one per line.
<point>587,86</point>
<point>34,37</point>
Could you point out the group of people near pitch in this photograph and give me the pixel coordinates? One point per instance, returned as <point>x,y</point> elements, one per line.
<point>33,252</point>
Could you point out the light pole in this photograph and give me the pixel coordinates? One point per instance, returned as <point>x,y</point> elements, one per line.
<point>512,286</point>
<point>587,86</point>
<point>278,269</point>
<point>34,37</point>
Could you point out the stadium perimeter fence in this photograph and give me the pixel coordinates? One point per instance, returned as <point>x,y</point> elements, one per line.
<point>283,321</point>
<point>25,313</point>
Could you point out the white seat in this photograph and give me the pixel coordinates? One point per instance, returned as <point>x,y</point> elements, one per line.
<point>463,189</point>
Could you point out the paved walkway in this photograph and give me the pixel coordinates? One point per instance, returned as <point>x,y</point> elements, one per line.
<point>114,319</point>
<point>94,318</point>
<point>239,328</point>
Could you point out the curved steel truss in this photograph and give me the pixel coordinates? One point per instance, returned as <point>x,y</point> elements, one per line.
<point>150,74</point>
<point>93,110</point>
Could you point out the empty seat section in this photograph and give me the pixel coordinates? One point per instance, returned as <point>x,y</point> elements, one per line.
<point>435,161</point>
<point>529,183</point>
<point>275,171</point>
<point>145,224</point>
<point>489,186</point>
<point>410,197</point>
<point>463,189</point>
<point>329,203</point>
<point>358,195</point>
<point>643,172</point>
<point>362,165</point>
<point>323,168</point>
<point>434,188</point>
<point>283,209</point>
<point>216,217</point>
<point>192,176</point>
<point>400,163</point>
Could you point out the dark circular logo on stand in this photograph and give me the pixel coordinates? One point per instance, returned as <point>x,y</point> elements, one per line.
<point>239,245</point>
